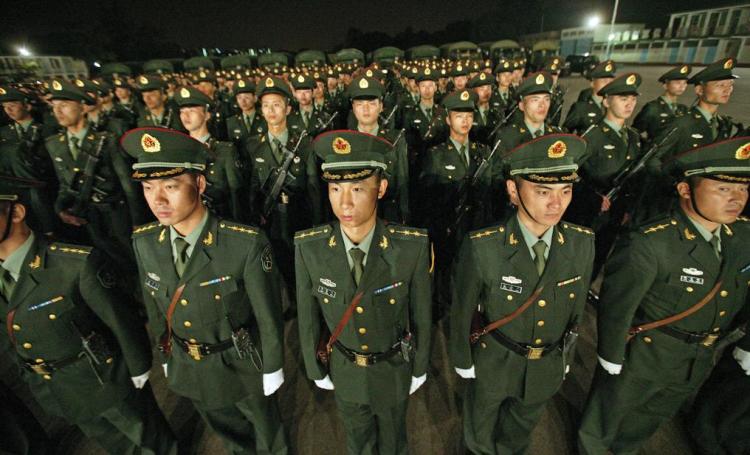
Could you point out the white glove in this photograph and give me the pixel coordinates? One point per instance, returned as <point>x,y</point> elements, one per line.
<point>140,381</point>
<point>466,373</point>
<point>164,366</point>
<point>272,381</point>
<point>611,368</point>
<point>743,358</point>
<point>417,383</point>
<point>324,383</point>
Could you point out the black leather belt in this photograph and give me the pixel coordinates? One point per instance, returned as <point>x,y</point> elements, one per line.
<point>706,339</point>
<point>200,350</point>
<point>50,367</point>
<point>365,360</point>
<point>529,352</point>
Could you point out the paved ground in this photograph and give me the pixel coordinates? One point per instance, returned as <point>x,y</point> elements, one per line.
<point>434,419</point>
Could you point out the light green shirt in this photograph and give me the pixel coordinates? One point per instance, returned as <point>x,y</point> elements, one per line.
<point>705,233</point>
<point>205,138</point>
<point>191,238</point>
<point>364,245</point>
<point>534,130</point>
<point>458,146</point>
<point>79,135</point>
<point>531,239</point>
<point>14,261</point>
<point>25,125</point>
<point>707,115</point>
<point>670,105</point>
<point>283,138</point>
<point>375,130</point>
<point>614,126</point>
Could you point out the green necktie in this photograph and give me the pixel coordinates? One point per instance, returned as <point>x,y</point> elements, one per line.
<point>182,258</point>
<point>305,118</point>
<point>247,122</point>
<point>539,261</point>
<point>537,133</point>
<point>277,150</point>
<point>624,136</point>
<point>74,147</point>
<point>714,127</point>
<point>7,283</point>
<point>464,156</point>
<point>358,256</point>
<point>715,245</point>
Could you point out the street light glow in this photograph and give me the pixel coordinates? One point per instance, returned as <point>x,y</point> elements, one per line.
<point>23,51</point>
<point>593,21</point>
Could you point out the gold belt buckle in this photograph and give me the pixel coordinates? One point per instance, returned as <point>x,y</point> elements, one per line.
<point>360,360</point>
<point>709,340</point>
<point>284,198</point>
<point>39,369</point>
<point>194,350</point>
<point>535,353</point>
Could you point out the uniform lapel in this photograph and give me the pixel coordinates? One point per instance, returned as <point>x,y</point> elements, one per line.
<point>698,249</point>
<point>164,259</point>
<point>378,258</point>
<point>519,255</point>
<point>337,262</point>
<point>32,271</point>
<point>202,251</point>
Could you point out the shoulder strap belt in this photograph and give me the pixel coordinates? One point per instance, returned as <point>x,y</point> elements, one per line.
<point>166,341</point>
<point>476,335</point>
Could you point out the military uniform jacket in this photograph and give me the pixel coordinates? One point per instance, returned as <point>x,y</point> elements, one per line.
<point>108,123</point>
<point>314,124</point>
<point>226,189</point>
<point>230,275</point>
<point>693,130</point>
<point>170,119</point>
<point>238,131</point>
<point>395,204</point>
<point>660,270</point>
<point>128,113</point>
<point>423,132</point>
<point>556,104</point>
<point>61,286</point>
<point>482,128</point>
<point>22,153</point>
<point>582,115</point>
<point>495,273</point>
<point>325,288</point>
<point>608,155</point>
<point>510,137</point>
<point>655,116</point>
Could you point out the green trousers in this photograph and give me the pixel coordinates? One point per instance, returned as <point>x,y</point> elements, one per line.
<point>372,430</point>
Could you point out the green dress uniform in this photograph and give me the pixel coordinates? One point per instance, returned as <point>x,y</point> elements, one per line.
<point>517,368</point>
<point>658,271</point>
<point>485,120</point>
<point>220,110</point>
<point>314,122</point>
<point>229,285</point>
<point>170,117</point>
<point>659,113</point>
<point>62,293</point>
<point>127,112</point>
<point>587,111</point>
<point>553,67</point>
<point>369,369</point>
<point>242,126</point>
<point>424,127</point>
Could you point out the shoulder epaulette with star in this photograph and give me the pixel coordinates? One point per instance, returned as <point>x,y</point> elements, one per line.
<point>317,232</point>
<point>237,228</point>
<point>69,249</point>
<point>743,219</point>
<point>658,225</point>
<point>145,229</point>
<point>60,137</point>
<point>570,227</point>
<point>407,233</point>
<point>486,233</point>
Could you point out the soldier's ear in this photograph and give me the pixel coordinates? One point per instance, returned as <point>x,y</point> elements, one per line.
<point>510,186</point>
<point>683,190</point>
<point>699,90</point>
<point>288,109</point>
<point>605,102</point>
<point>382,188</point>
<point>200,183</point>
<point>19,213</point>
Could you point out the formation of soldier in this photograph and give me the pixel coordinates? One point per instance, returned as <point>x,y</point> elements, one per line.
<point>386,202</point>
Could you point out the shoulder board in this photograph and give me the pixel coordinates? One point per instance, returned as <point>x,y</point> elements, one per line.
<point>577,228</point>
<point>69,249</point>
<point>145,228</point>
<point>492,232</point>
<point>658,225</point>
<point>56,137</point>
<point>313,233</point>
<point>407,233</point>
<point>743,219</point>
<point>237,228</point>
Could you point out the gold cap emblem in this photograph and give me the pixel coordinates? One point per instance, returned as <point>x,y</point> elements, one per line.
<point>684,69</point>
<point>743,153</point>
<point>630,80</point>
<point>368,73</point>
<point>56,85</point>
<point>144,80</point>
<point>482,76</point>
<point>185,93</point>
<point>341,146</point>
<point>553,67</point>
<point>202,74</point>
<point>269,82</point>
<point>427,72</point>
<point>506,65</point>
<point>729,64</point>
<point>608,68</point>
<point>557,150</point>
<point>465,96</point>
<point>459,68</point>
<point>539,79</point>
<point>363,83</point>
<point>2,91</point>
<point>301,79</point>
<point>79,83</point>
<point>150,144</point>
<point>241,84</point>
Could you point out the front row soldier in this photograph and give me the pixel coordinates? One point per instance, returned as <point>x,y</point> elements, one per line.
<point>81,349</point>
<point>211,292</point>
<point>363,289</point>
<point>671,296</point>
<point>524,282</point>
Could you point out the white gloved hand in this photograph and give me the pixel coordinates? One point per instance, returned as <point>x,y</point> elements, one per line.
<point>164,366</point>
<point>417,383</point>
<point>272,381</point>
<point>324,383</point>
<point>609,367</point>
<point>140,380</point>
<point>467,373</point>
<point>743,358</point>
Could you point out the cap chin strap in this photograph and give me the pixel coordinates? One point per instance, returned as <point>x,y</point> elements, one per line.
<point>8,223</point>
<point>520,199</point>
<point>695,204</point>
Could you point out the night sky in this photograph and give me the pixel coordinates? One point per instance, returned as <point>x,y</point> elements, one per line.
<point>145,28</point>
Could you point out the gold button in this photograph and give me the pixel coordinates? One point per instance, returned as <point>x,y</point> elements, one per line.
<point>193,340</point>
<point>723,293</point>
<point>153,293</point>
<point>39,360</point>
<point>538,341</point>
<point>722,313</point>
<point>362,330</point>
<point>75,169</point>
<point>647,339</point>
<point>673,222</point>
<point>325,299</point>
<point>187,324</point>
<point>392,301</point>
<point>484,345</point>
<point>217,297</point>
<point>716,329</point>
<point>365,347</point>
<point>52,316</point>
<point>572,295</point>
<point>183,302</point>
<point>109,360</point>
<point>542,303</point>
<point>27,345</point>
<point>53,247</point>
<point>360,310</point>
<point>689,289</point>
<point>16,327</point>
<point>509,297</point>
<point>540,323</point>
<point>47,377</point>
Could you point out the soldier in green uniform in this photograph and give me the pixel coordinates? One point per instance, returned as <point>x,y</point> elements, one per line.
<point>588,110</point>
<point>82,351</point>
<point>370,278</point>
<point>672,291</point>
<point>503,97</point>
<point>297,202</point>
<point>486,116</point>
<point>156,110</point>
<point>97,200</point>
<point>248,122</point>
<point>205,81</point>
<point>525,281</point>
<point>553,67</point>
<point>126,107</point>
<point>657,114</point>
<point>211,292</point>
<point>226,188</point>
<point>366,95</point>
<point>459,77</point>
<point>306,117</point>
<point>97,120</point>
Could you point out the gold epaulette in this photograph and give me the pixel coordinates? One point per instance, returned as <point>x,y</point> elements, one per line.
<point>408,233</point>
<point>660,226</point>
<point>312,233</point>
<point>485,233</point>
<point>65,248</point>
<point>743,218</point>
<point>238,228</point>
<point>145,228</point>
<point>577,228</point>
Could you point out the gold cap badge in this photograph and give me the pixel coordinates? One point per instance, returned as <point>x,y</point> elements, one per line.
<point>79,83</point>
<point>185,93</point>
<point>341,146</point>
<point>301,79</point>
<point>2,91</point>
<point>427,71</point>
<point>150,144</point>
<point>241,84</point>
<point>56,85</point>
<point>202,74</point>
<point>144,80</point>
<point>269,82</point>
<point>363,83</point>
<point>743,153</point>
<point>557,150</point>
<point>482,76</point>
<point>608,68</point>
<point>729,64</point>
<point>465,96</point>
<point>684,69</point>
<point>630,80</point>
<point>539,79</point>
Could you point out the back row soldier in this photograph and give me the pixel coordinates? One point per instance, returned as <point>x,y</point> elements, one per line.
<point>659,113</point>
<point>588,110</point>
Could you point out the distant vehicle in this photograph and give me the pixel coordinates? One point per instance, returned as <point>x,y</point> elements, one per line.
<point>581,64</point>
<point>41,67</point>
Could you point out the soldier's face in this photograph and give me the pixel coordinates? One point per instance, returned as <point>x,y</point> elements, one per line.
<point>122,93</point>
<point>543,204</point>
<point>246,101</point>
<point>355,203</point>
<point>16,110</point>
<point>194,118</point>
<point>367,111</point>
<point>599,83</point>
<point>412,83</point>
<point>720,202</point>
<point>484,93</point>
<point>535,107</point>
<point>207,88</point>
<point>332,83</point>
<point>173,200</point>
<point>505,79</point>
<point>303,96</point>
<point>676,88</point>
<point>275,109</point>
<point>154,99</point>
<point>345,78</point>
<point>620,106</point>
<point>460,122</point>
<point>715,92</point>
<point>427,90</point>
<point>517,75</point>
<point>319,89</point>
<point>67,112</point>
<point>460,82</point>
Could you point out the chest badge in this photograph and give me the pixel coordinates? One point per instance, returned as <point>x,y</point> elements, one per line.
<point>327,282</point>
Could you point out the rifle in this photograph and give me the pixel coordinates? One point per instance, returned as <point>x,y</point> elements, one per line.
<point>468,184</point>
<point>282,172</point>
<point>628,173</point>
<point>398,138</point>
<point>559,108</point>
<point>86,177</point>
<point>323,126</point>
<point>390,114</point>
<point>505,120</point>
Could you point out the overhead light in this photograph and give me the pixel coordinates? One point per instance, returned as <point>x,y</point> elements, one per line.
<point>24,51</point>
<point>97,65</point>
<point>593,21</point>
